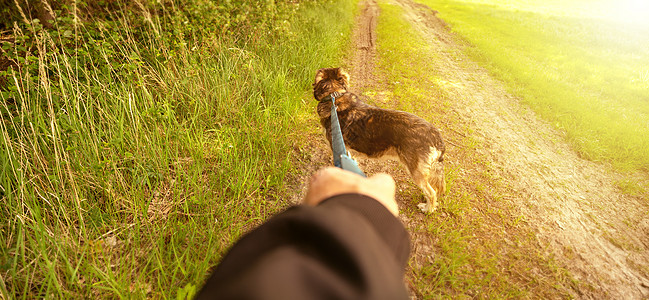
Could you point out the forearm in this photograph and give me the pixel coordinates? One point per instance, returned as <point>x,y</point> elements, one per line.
<point>349,246</point>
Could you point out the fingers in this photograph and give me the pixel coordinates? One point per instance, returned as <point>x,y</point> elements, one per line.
<point>384,180</point>
<point>331,181</point>
<point>383,189</point>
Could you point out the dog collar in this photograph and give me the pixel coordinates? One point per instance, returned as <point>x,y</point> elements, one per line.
<point>333,96</point>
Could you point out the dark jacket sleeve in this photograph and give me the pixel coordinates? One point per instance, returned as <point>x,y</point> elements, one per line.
<point>348,247</point>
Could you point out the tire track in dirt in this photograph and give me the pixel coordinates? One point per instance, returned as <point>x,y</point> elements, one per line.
<point>599,234</point>
<point>361,69</point>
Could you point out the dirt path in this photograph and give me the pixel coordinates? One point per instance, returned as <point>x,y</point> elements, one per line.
<point>600,235</point>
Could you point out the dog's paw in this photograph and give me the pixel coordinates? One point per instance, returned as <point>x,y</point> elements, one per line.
<point>426,207</point>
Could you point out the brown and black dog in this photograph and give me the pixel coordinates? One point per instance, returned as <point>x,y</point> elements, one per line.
<point>381,133</point>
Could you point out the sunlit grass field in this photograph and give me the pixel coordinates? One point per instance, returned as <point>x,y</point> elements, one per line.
<point>581,65</point>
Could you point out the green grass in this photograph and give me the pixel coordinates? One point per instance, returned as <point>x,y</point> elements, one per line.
<point>132,159</point>
<point>479,246</point>
<point>574,62</point>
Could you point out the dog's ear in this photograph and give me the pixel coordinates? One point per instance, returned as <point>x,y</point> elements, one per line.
<point>342,74</point>
<point>319,75</point>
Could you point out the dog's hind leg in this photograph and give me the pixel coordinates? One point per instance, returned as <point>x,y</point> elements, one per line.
<point>436,177</point>
<point>431,199</point>
<point>430,178</point>
<point>430,194</point>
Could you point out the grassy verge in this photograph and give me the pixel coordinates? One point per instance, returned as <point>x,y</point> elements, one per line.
<point>476,245</point>
<point>136,150</point>
<point>586,75</point>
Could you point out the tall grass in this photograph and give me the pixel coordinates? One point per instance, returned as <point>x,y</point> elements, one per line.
<point>134,154</point>
<point>584,73</point>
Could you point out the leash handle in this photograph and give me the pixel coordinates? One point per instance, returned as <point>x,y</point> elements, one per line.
<point>341,159</point>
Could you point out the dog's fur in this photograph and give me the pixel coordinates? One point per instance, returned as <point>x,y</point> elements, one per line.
<point>377,132</point>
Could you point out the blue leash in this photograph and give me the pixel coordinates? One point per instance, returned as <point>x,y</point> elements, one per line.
<point>341,159</point>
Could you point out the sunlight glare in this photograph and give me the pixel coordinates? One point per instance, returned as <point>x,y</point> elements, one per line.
<point>633,12</point>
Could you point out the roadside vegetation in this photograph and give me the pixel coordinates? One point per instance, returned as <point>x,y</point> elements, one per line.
<point>476,245</point>
<point>581,65</point>
<point>140,139</point>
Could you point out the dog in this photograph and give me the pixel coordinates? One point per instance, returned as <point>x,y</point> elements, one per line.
<point>381,133</point>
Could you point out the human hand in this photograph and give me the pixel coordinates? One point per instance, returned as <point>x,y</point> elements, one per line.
<point>332,181</point>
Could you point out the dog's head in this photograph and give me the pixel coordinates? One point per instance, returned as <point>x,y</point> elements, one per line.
<point>330,80</point>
